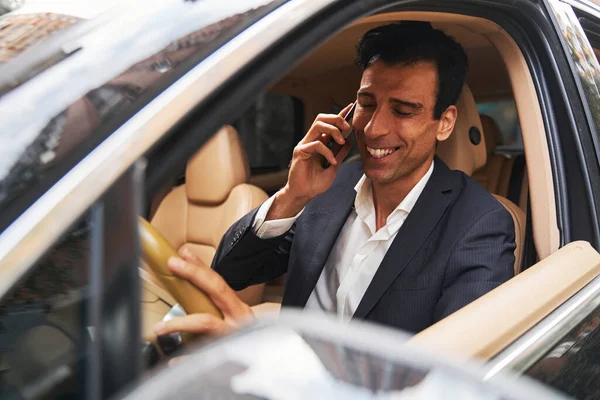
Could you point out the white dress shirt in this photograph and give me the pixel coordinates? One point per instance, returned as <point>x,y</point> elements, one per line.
<point>357,252</point>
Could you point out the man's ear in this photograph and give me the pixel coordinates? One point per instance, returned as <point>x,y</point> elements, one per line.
<point>446,123</point>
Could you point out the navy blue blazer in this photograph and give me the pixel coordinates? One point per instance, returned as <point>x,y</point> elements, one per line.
<point>457,244</point>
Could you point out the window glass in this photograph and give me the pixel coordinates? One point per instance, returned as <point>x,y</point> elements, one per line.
<point>305,357</point>
<point>42,323</point>
<point>18,32</point>
<point>584,61</point>
<point>504,113</point>
<point>37,148</point>
<point>573,365</point>
<point>270,129</point>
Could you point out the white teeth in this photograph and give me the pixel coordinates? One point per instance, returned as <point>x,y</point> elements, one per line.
<point>379,153</point>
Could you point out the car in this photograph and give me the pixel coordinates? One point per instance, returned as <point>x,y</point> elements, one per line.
<point>185,113</point>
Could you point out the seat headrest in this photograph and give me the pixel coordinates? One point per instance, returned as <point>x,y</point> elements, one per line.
<point>465,149</point>
<point>491,133</point>
<point>219,166</point>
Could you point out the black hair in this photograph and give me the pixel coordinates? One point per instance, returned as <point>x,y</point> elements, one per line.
<point>409,42</point>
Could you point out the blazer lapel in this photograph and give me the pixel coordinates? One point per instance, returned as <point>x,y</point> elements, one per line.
<point>325,224</point>
<point>425,215</point>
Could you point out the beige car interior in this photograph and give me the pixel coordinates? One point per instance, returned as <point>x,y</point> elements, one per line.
<point>495,175</point>
<point>197,214</point>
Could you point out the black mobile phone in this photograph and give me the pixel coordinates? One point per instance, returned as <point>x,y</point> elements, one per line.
<point>335,146</point>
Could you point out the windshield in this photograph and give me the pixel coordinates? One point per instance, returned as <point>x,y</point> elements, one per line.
<point>67,94</point>
<point>308,356</point>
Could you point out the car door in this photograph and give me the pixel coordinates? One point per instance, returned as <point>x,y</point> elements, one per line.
<point>70,328</point>
<point>199,100</point>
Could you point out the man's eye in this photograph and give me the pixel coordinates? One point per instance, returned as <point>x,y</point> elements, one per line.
<point>366,105</point>
<point>403,114</point>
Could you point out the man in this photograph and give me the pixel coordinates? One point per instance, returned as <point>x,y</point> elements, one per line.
<point>398,239</point>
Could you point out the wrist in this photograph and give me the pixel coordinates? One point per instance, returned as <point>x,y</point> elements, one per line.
<point>286,205</point>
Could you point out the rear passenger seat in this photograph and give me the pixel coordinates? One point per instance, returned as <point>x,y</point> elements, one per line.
<point>503,174</point>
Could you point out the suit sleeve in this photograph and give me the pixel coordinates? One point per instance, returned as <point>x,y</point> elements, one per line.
<point>482,259</point>
<point>244,259</point>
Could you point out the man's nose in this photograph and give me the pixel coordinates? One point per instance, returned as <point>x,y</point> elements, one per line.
<point>378,125</point>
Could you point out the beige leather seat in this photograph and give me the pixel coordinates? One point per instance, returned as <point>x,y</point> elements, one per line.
<point>465,150</point>
<point>495,174</point>
<point>197,214</point>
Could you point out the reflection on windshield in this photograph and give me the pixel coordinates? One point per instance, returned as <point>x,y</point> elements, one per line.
<point>586,63</point>
<point>308,356</point>
<point>285,364</point>
<point>38,133</point>
<point>7,6</point>
<point>572,365</point>
<point>20,32</point>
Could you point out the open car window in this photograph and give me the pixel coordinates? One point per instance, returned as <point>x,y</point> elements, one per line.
<point>270,129</point>
<point>504,114</point>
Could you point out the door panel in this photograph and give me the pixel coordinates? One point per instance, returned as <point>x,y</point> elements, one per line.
<point>488,325</point>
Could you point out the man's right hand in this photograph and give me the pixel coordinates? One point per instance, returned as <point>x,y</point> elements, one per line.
<point>307,177</point>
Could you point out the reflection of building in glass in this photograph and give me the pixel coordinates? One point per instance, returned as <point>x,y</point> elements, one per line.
<point>572,365</point>
<point>364,369</point>
<point>7,6</point>
<point>19,32</point>
<point>584,60</point>
<point>146,72</point>
<point>63,271</point>
<point>77,123</point>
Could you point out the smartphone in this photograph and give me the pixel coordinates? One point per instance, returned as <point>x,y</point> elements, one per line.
<point>335,146</point>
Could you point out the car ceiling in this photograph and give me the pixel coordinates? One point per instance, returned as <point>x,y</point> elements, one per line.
<point>484,60</point>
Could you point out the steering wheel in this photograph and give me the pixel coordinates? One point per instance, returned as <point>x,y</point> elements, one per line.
<point>156,252</point>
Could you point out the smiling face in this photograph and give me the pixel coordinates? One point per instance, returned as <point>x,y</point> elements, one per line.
<point>394,123</point>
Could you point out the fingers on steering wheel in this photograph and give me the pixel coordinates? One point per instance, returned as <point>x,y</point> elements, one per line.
<point>193,323</point>
<point>211,283</point>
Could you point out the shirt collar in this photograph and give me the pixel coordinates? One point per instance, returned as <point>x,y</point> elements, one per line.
<point>365,208</point>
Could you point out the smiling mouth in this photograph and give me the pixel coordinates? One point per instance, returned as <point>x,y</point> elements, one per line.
<point>380,153</point>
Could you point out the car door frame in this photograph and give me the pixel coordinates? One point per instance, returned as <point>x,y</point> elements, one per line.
<point>540,43</point>
<point>533,345</point>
